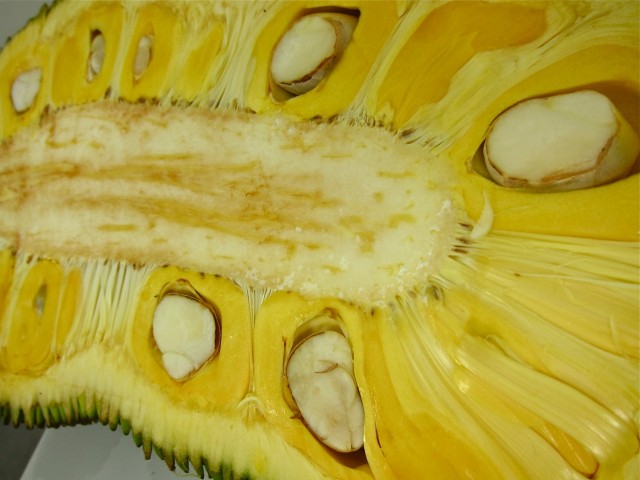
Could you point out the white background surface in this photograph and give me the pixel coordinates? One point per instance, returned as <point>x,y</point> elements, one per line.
<point>94,452</point>
<point>91,452</point>
<point>14,14</point>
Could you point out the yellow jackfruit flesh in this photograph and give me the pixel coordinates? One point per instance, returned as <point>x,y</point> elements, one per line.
<point>188,249</point>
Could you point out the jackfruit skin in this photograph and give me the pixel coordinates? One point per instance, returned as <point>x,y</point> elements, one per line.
<point>500,344</point>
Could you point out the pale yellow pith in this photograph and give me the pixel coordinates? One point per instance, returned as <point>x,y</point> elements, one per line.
<point>324,210</point>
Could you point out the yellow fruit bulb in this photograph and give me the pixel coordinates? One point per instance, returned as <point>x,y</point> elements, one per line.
<point>375,20</point>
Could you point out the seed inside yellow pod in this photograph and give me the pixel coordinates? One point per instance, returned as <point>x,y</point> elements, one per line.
<point>96,55</point>
<point>143,56</point>
<point>185,332</point>
<point>25,88</point>
<point>309,49</point>
<point>321,379</point>
<point>564,142</point>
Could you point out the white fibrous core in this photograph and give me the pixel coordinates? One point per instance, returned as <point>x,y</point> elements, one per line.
<point>322,209</point>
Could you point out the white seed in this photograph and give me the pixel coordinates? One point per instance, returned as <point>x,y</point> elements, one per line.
<point>40,300</point>
<point>96,57</point>
<point>564,142</point>
<point>320,375</point>
<point>143,55</point>
<point>25,88</point>
<point>308,50</point>
<point>185,331</point>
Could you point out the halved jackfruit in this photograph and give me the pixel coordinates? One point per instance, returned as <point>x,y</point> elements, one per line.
<point>152,165</point>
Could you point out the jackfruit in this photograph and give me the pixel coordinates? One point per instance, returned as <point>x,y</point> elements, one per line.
<point>204,239</point>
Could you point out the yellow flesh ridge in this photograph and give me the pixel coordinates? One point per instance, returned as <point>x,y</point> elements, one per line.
<point>327,210</point>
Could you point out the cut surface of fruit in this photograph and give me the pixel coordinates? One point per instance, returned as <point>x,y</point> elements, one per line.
<point>565,142</point>
<point>262,238</point>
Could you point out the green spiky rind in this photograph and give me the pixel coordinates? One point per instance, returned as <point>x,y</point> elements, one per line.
<point>84,410</point>
<point>114,419</point>
<point>28,415</point>
<point>167,456</point>
<point>64,421</point>
<point>197,465</point>
<point>158,451</point>
<point>137,438</point>
<point>125,426</point>
<point>33,417</point>
<point>40,420</point>
<point>74,411</point>
<point>69,412</point>
<point>52,415</point>
<point>147,446</point>
<point>181,460</point>
<point>17,417</point>
<point>103,413</point>
<point>224,472</point>
<point>170,460</point>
